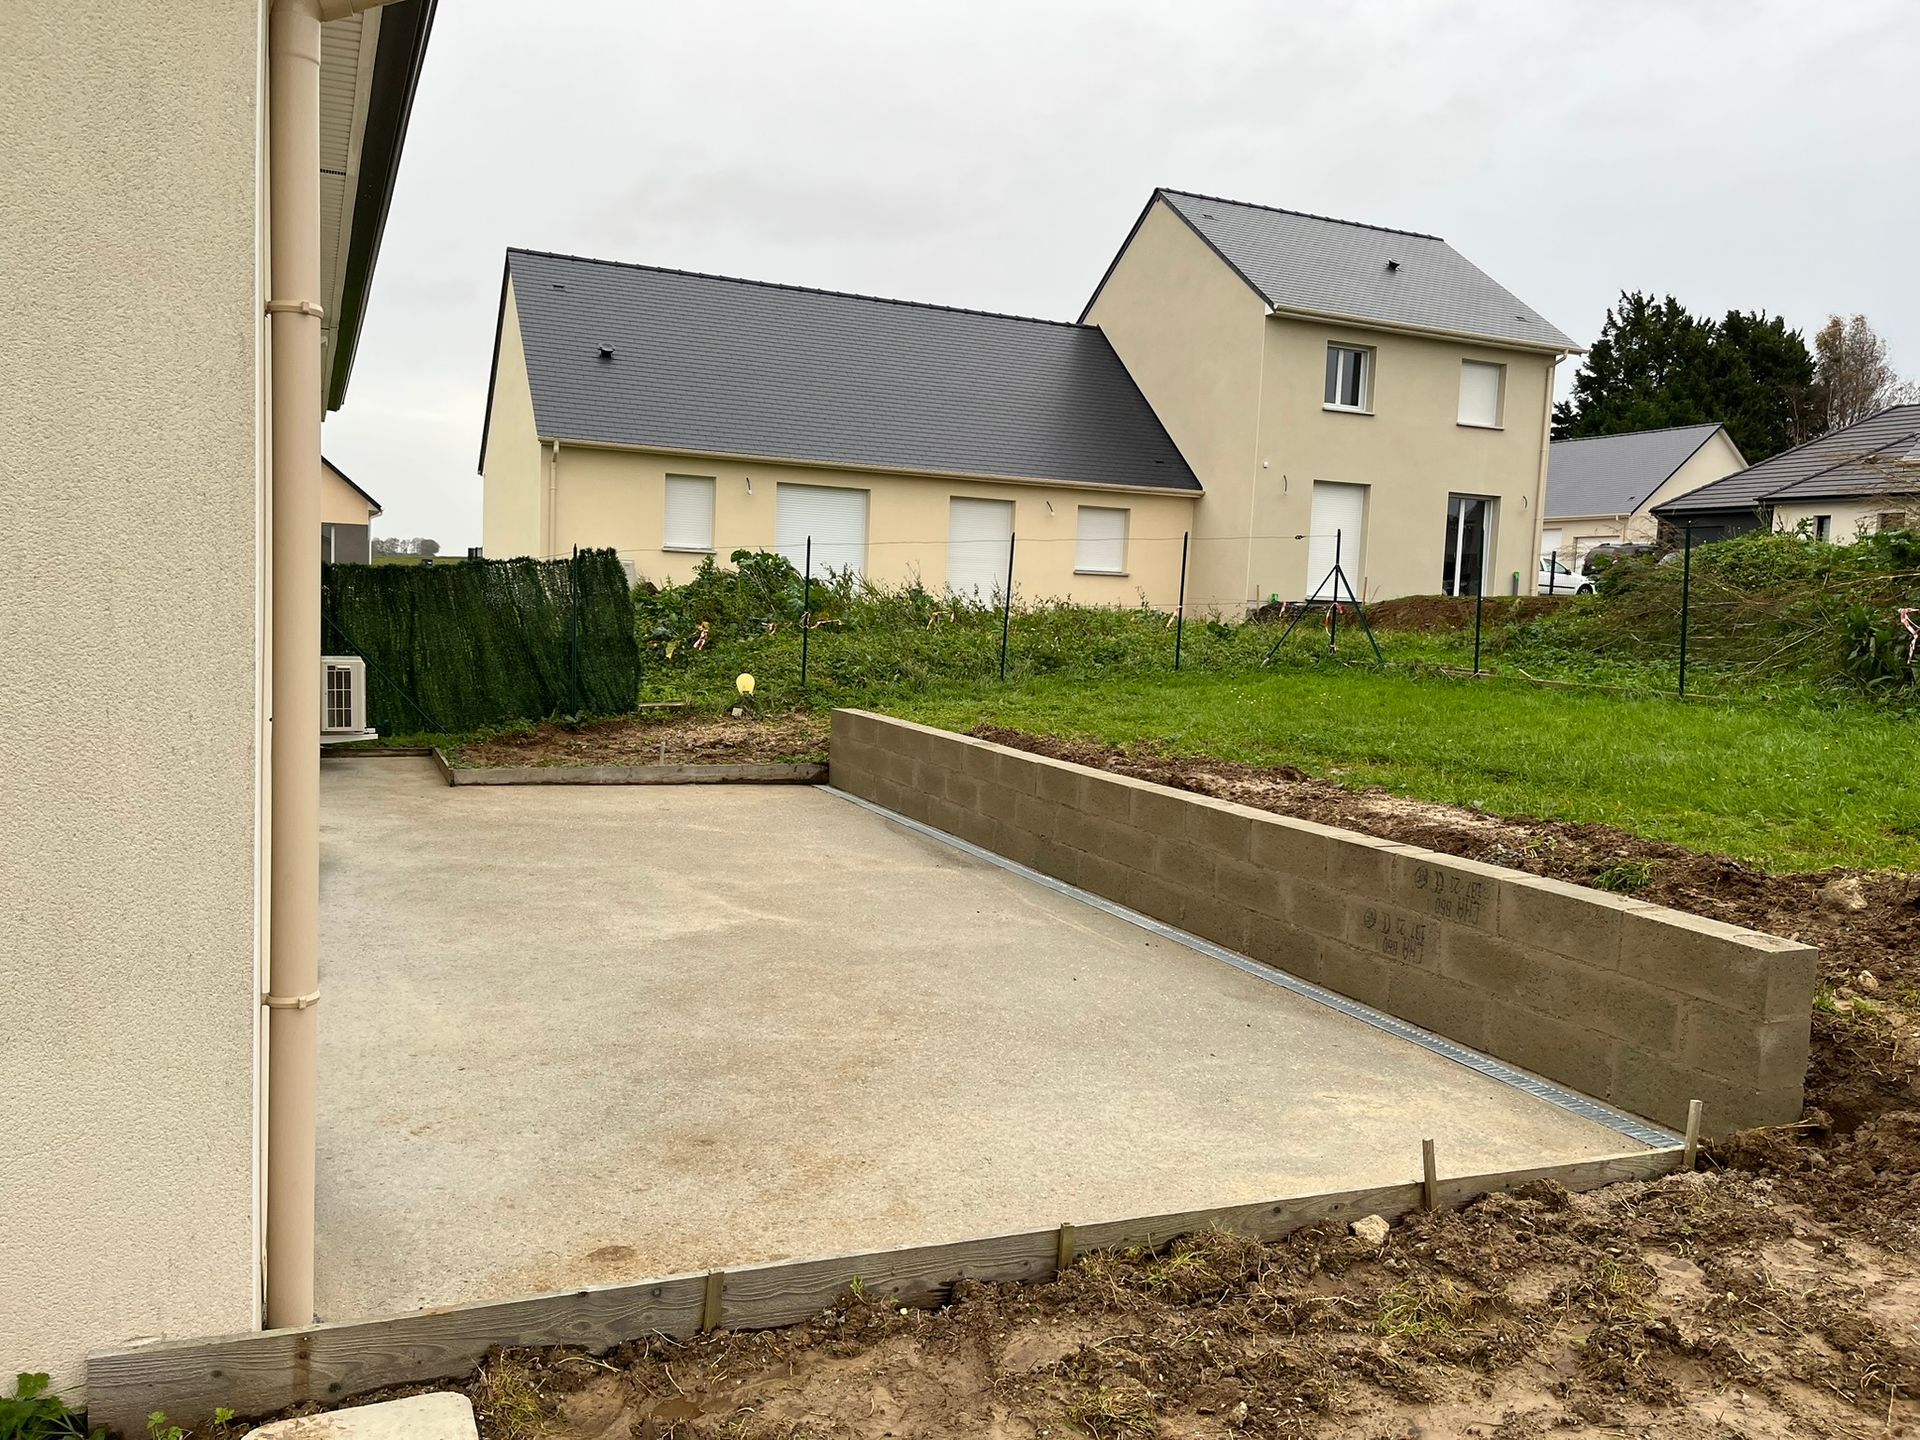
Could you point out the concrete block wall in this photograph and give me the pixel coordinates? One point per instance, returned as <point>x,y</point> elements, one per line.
<point>1640,1006</point>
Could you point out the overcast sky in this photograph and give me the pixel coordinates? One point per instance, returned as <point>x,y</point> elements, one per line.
<point>1743,154</point>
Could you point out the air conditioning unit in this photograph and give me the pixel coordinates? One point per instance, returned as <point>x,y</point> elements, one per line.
<point>343,699</point>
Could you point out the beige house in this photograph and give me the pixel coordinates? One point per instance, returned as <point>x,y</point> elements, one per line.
<point>1602,490</point>
<point>347,514</point>
<point>1265,385</point>
<point>190,208</point>
<point>1848,483</point>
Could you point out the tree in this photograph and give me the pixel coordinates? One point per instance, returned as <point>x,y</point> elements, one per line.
<point>424,546</point>
<point>1656,365</point>
<point>1855,378</point>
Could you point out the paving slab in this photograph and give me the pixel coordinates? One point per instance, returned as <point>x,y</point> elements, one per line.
<point>590,1036</point>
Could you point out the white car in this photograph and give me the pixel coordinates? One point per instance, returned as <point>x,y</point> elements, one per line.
<point>1556,579</point>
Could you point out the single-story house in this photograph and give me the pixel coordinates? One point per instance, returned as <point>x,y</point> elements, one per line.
<point>1602,489</point>
<point>347,514</point>
<point>1249,392</point>
<point>1849,482</point>
<point>194,197</point>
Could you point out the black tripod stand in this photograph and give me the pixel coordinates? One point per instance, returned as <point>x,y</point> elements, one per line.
<point>1336,577</point>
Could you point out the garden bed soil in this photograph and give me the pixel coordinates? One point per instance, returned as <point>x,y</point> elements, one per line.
<point>689,739</point>
<point>1707,1303</point>
<point>1866,1034</point>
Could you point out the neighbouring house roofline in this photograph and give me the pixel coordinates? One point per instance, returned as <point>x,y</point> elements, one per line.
<point>1754,488</point>
<point>626,355</point>
<point>372,503</point>
<point>1646,485</point>
<point>401,51</point>
<point>566,442</point>
<point>493,365</point>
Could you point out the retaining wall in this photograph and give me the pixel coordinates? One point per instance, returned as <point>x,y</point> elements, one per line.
<point>1635,1004</point>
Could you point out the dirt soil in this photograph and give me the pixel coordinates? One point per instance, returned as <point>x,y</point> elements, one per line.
<point>669,738</point>
<point>1702,1304</point>
<point>1866,1033</point>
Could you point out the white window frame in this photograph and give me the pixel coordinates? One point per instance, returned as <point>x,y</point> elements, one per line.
<point>1363,357</point>
<point>1499,421</point>
<point>679,546</point>
<point>1081,540</point>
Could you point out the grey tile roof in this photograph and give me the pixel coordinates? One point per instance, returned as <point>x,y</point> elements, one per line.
<point>1613,474</point>
<point>743,367</point>
<point>1339,267</point>
<point>1856,461</point>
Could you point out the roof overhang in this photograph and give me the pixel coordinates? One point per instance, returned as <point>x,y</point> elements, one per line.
<point>1361,322</point>
<point>369,69</point>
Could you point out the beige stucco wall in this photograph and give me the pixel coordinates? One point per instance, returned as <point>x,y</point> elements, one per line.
<point>1850,518</point>
<point>129,458</point>
<point>1241,393</point>
<point>1190,332</point>
<point>1411,451</point>
<point>513,505</point>
<point>1715,460</point>
<point>340,503</point>
<point>607,497</point>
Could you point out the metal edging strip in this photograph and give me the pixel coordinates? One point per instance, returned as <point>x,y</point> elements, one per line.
<point>1572,1101</point>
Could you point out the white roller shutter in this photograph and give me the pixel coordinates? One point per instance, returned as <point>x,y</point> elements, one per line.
<point>689,524</point>
<point>1480,393</point>
<point>1338,511</point>
<point>1102,544</point>
<point>835,518</point>
<point>977,535</point>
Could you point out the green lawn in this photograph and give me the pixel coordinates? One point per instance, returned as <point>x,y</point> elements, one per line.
<point>1784,786</point>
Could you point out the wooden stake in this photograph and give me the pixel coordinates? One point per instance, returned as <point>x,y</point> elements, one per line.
<point>1064,1260</point>
<point>1693,1137</point>
<point>710,1308</point>
<point>1430,1177</point>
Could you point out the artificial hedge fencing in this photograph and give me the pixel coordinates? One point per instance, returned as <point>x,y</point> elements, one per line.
<point>455,647</point>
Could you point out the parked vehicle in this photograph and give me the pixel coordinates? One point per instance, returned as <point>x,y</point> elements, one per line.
<point>1556,579</point>
<point>1601,556</point>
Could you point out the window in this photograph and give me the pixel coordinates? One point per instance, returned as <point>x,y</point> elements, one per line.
<point>1349,378</point>
<point>979,545</point>
<point>1823,527</point>
<point>1481,386</point>
<point>1467,555</point>
<point>1893,520</point>
<point>689,513</point>
<point>832,518</point>
<point>1102,549</point>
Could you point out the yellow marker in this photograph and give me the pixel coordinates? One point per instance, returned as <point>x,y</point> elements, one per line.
<point>744,684</point>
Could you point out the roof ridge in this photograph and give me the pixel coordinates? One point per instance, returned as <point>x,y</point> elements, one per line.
<point>1841,460</point>
<point>1303,214</point>
<point>1653,430</point>
<point>798,289</point>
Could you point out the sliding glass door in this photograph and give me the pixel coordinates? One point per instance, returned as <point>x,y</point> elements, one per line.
<point>1469,547</point>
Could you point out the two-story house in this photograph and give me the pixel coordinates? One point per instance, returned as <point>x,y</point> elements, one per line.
<point>1249,393</point>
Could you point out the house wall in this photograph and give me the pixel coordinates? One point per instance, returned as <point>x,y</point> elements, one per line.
<point>340,503</point>
<point>1850,519</point>
<point>1190,332</point>
<point>1715,460</point>
<point>1641,1006</point>
<point>1411,451</point>
<point>617,498</point>
<point>130,375</point>
<point>513,517</point>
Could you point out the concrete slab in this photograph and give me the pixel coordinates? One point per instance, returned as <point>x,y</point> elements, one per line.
<point>443,1415</point>
<point>591,1036</point>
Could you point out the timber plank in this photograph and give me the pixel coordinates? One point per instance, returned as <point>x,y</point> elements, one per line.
<point>796,773</point>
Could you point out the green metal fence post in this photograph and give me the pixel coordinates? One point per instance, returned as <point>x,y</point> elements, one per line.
<point>1479,608</point>
<point>806,611</point>
<point>1686,599</point>
<point>1333,613</point>
<point>1006,608</point>
<point>1180,607</point>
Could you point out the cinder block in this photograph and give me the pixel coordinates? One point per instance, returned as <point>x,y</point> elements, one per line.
<point>1105,876</point>
<point>1361,864</point>
<point>1711,960</point>
<point>1151,895</point>
<point>1738,1046</point>
<point>1159,812</point>
<point>1558,1049</point>
<point>1248,885</point>
<point>943,814</point>
<point>1443,1006</point>
<point>1108,796</point>
<point>1221,921</point>
<point>1356,973</point>
<point>1062,784</point>
<point>1316,907</point>
<point>1225,830</point>
<point>856,726</point>
<point>982,762</point>
<point>898,767</point>
<point>1391,933</point>
<point>1644,1015</point>
<point>1040,818</point>
<point>1290,847</point>
<point>1275,943</point>
<point>1016,842</point>
<point>1461,892</point>
<point>961,789</point>
<point>1657,1087</point>
<point>1050,857</point>
<point>1180,862</point>
<point>1016,771</point>
<point>999,802</point>
<point>1476,958</point>
<point>1566,919</point>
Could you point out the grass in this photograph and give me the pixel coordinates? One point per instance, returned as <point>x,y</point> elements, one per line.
<point>1786,787</point>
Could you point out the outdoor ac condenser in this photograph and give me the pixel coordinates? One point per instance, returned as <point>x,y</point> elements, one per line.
<point>343,699</point>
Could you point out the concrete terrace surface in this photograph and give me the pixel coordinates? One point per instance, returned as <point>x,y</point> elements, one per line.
<point>577,1036</point>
